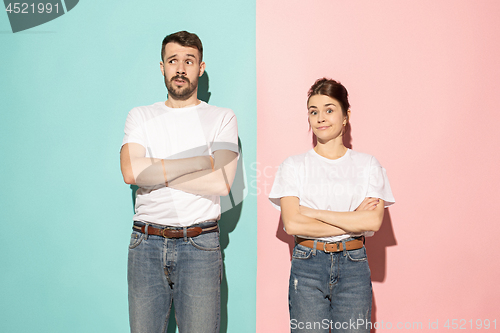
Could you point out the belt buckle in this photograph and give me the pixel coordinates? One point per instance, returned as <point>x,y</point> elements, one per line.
<point>324,248</point>
<point>338,247</point>
<point>164,232</point>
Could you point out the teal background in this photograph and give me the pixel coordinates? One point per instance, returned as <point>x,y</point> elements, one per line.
<point>66,89</point>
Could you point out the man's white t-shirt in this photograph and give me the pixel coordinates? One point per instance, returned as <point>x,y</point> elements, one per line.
<point>173,133</point>
<point>336,185</point>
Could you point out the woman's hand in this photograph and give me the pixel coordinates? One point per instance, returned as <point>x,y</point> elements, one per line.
<point>368,204</point>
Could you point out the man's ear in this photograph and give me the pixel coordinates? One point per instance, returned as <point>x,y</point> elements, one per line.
<point>202,69</point>
<point>162,68</point>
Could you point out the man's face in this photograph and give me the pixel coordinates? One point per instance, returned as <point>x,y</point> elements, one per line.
<point>181,69</point>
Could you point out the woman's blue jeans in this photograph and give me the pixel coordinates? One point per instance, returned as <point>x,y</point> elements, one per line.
<point>187,271</point>
<point>329,291</point>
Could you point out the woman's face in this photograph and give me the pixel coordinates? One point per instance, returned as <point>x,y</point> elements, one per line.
<point>325,117</point>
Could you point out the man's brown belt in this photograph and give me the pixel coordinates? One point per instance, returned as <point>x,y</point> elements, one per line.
<point>332,247</point>
<point>176,233</point>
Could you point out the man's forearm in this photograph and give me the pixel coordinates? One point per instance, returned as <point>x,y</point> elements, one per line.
<point>208,182</point>
<point>157,171</point>
<point>144,171</point>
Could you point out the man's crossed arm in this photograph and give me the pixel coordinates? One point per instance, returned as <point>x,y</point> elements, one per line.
<point>198,175</point>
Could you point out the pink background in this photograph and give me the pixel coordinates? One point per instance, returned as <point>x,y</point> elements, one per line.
<point>424,80</point>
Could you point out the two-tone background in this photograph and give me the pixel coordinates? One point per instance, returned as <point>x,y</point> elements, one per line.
<point>424,81</point>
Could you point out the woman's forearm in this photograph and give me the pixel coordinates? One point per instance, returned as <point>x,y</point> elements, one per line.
<point>305,226</point>
<point>299,224</point>
<point>357,221</point>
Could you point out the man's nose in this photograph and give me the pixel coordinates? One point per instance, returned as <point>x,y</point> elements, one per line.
<point>181,69</point>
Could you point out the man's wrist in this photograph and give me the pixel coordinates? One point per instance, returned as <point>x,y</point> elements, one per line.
<point>205,162</point>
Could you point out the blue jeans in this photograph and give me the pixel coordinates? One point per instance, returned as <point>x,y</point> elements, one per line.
<point>329,291</point>
<point>187,271</point>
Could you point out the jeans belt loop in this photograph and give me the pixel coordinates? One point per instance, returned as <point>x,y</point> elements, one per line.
<point>184,231</point>
<point>314,247</point>
<point>344,250</point>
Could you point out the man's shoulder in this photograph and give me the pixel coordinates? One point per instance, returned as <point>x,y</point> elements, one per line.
<point>148,108</point>
<point>146,112</point>
<point>203,106</point>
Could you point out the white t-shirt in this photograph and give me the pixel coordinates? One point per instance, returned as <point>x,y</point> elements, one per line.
<point>173,133</point>
<point>336,185</point>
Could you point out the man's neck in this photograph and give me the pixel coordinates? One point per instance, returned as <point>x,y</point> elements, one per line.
<point>177,103</point>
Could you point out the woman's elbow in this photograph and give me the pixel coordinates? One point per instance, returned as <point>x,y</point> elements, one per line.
<point>289,226</point>
<point>376,223</point>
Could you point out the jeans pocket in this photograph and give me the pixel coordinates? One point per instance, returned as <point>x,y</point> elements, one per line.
<point>206,242</point>
<point>301,252</point>
<point>135,239</point>
<point>357,255</point>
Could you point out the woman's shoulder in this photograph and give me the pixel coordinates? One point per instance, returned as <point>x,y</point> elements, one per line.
<point>296,159</point>
<point>363,158</point>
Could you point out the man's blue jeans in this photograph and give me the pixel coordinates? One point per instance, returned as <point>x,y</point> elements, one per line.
<point>329,291</point>
<point>187,271</point>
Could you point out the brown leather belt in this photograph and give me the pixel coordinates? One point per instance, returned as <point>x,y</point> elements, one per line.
<point>332,247</point>
<point>168,232</point>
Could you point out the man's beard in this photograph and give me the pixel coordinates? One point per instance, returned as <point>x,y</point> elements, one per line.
<point>180,93</point>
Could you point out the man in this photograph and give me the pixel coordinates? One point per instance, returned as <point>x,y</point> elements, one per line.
<point>182,153</point>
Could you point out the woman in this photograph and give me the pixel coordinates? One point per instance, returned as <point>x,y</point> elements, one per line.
<point>330,197</point>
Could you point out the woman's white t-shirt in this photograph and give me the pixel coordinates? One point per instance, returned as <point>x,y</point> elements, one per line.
<point>338,185</point>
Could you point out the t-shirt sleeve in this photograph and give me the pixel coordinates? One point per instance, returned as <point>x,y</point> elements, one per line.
<point>285,183</point>
<point>227,137</point>
<point>134,131</point>
<point>379,186</point>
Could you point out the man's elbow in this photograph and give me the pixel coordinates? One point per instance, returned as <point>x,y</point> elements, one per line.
<point>224,185</point>
<point>128,178</point>
<point>223,189</point>
<point>127,173</point>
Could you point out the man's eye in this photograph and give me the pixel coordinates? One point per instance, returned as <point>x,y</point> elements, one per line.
<point>189,62</point>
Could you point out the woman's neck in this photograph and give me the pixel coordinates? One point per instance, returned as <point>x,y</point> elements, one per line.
<point>332,149</point>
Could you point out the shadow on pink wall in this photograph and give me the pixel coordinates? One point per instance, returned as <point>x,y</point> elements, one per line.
<point>376,249</point>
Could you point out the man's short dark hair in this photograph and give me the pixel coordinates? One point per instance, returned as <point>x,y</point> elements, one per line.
<point>183,38</point>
